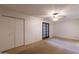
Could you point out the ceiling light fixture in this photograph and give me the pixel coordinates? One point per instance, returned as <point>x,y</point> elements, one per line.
<point>56,15</point>
<point>55,19</point>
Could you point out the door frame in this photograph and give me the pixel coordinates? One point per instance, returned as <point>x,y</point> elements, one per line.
<point>42,30</point>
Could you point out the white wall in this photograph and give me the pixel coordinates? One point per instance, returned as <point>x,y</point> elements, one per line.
<point>33,29</point>
<point>67,28</point>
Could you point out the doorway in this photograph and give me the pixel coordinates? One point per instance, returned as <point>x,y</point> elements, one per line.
<point>45,30</point>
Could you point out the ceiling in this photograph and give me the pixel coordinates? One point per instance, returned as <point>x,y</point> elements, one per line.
<point>43,10</point>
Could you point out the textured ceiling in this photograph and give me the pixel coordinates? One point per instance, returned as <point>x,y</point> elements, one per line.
<point>43,10</point>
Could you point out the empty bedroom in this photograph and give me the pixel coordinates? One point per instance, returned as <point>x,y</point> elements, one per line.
<point>39,28</point>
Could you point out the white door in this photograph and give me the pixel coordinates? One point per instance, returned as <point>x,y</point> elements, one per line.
<point>11,33</point>
<point>6,33</point>
<point>19,41</point>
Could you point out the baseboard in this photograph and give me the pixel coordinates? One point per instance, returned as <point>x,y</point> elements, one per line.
<point>65,38</point>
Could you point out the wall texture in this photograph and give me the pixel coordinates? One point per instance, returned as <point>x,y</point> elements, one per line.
<point>67,28</point>
<point>33,29</point>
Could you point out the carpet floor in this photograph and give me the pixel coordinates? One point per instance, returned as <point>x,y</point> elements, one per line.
<point>48,46</point>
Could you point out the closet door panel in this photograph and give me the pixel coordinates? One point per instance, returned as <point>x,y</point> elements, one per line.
<point>19,41</point>
<point>11,33</point>
<point>6,34</point>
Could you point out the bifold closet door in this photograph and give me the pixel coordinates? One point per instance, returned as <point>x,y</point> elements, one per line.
<point>11,33</point>
<point>19,40</point>
<point>7,33</point>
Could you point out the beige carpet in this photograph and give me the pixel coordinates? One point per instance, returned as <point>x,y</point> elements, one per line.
<point>41,47</point>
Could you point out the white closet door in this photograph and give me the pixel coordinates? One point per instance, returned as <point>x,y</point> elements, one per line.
<point>19,41</point>
<point>11,33</point>
<point>6,33</point>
